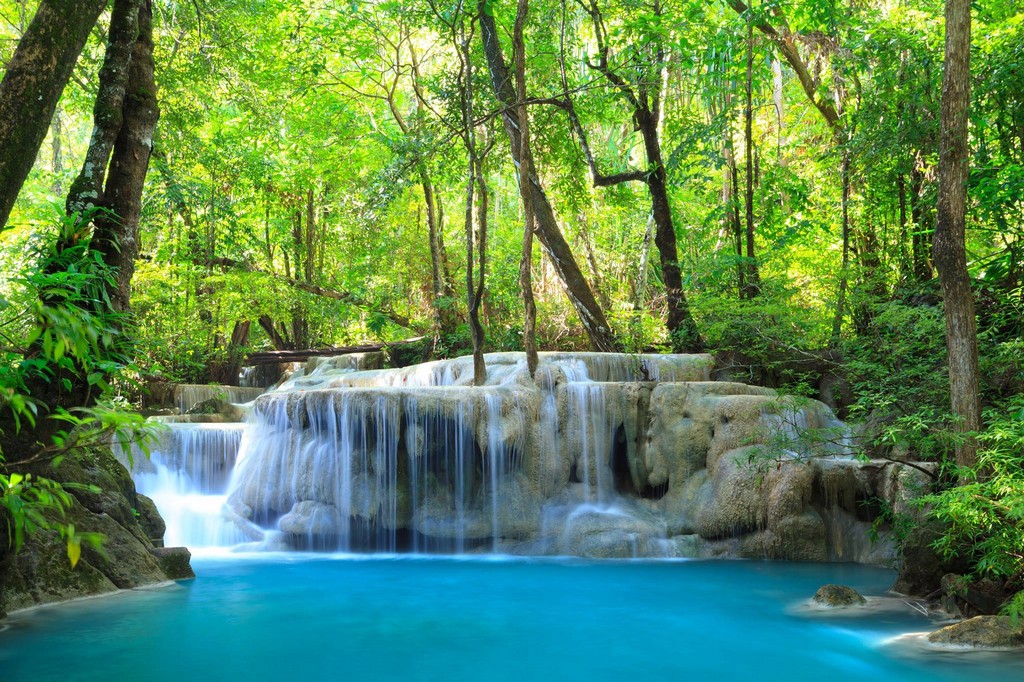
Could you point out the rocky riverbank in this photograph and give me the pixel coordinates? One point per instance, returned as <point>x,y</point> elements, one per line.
<point>104,501</point>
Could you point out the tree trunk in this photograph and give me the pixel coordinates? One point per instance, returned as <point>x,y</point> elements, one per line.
<point>474,182</point>
<point>919,241</point>
<point>573,282</point>
<point>280,343</point>
<point>227,372</point>
<point>56,153</point>
<point>682,328</point>
<point>844,274</point>
<point>118,238</point>
<point>33,82</point>
<point>752,281</point>
<point>108,110</point>
<point>441,289</point>
<point>477,330</point>
<point>732,211</point>
<point>901,187</point>
<point>949,249</point>
<point>645,100</point>
<point>525,175</point>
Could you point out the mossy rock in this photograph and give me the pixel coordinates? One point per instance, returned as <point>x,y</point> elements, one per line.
<point>103,501</point>
<point>838,597</point>
<point>216,407</point>
<point>981,632</point>
<point>98,481</point>
<point>175,562</point>
<point>150,520</point>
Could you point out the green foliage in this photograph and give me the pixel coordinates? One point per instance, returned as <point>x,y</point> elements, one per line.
<point>984,515</point>
<point>897,372</point>
<point>62,338</point>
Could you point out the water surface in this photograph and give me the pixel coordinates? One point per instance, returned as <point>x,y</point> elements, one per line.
<point>309,617</point>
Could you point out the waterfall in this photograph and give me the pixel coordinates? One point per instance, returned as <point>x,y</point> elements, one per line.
<point>598,455</point>
<point>187,475</point>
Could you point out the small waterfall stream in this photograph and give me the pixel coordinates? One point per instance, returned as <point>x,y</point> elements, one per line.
<point>188,475</point>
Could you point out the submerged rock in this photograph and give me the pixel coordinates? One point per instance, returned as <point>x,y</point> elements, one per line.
<point>981,632</point>
<point>838,597</point>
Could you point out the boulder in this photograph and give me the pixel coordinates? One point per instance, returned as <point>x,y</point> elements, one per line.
<point>175,562</point>
<point>215,407</point>
<point>981,632</point>
<point>313,519</point>
<point>921,568</point>
<point>838,597</point>
<point>964,598</point>
<point>103,501</point>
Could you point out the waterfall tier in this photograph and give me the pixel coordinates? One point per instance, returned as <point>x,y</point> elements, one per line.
<point>600,455</point>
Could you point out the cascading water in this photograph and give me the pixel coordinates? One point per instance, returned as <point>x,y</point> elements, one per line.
<point>599,456</point>
<point>187,475</point>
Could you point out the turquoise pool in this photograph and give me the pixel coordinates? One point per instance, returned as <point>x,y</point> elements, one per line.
<point>310,617</point>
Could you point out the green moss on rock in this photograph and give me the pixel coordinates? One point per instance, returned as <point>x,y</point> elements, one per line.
<point>838,597</point>
<point>981,632</point>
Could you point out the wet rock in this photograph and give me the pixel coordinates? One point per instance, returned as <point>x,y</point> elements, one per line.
<point>150,520</point>
<point>175,562</point>
<point>313,519</point>
<point>981,632</point>
<point>215,407</point>
<point>103,502</point>
<point>838,597</point>
<point>921,568</point>
<point>964,598</point>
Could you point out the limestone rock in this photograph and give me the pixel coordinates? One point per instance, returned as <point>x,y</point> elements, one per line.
<point>216,407</point>
<point>921,568</point>
<point>964,598</point>
<point>312,519</point>
<point>981,632</point>
<point>838,597</point>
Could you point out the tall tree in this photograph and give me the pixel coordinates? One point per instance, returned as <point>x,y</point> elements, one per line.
<point>644,97</point>
<point>949,249</point>
<point>525,173</point>
<point>751,285</point>
<point>576,287</point>
<point>117,235</point>
<point>828,104</point>
<point>33,83</point>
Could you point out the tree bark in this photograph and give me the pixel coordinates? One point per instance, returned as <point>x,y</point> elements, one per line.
<point>525,175</point>
<point>752,280</point>
<point>117,237</point>
<point>475,182</point>
<point>645,101</point>
<point>844,275</point>
<point>108,110</point>
<point>682,328</point>
<point>548,233</point>
<point>33,82</point>
<point>949,243</point>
